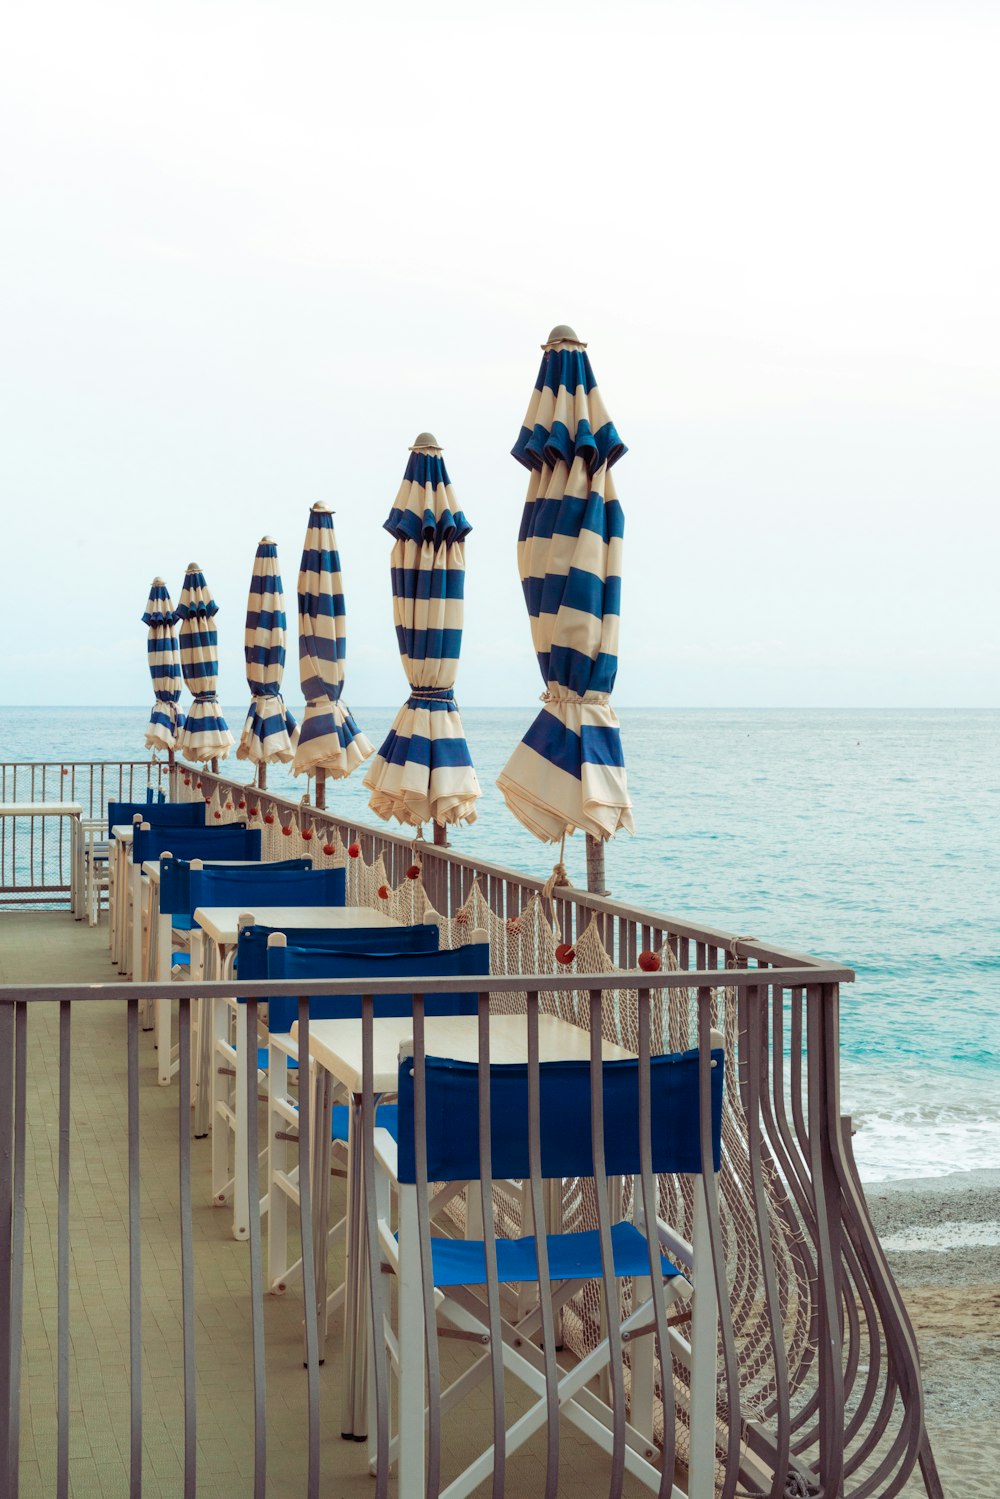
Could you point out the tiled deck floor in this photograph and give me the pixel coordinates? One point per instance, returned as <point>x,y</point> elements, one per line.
<point>52,948</point>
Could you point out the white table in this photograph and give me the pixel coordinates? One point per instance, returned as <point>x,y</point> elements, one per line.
<point>336,1048</point>
<point>214,938</point>
<point>72,811</point>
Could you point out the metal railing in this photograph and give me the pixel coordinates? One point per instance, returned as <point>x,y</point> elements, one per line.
<point>36,853</point>
<point>841,1412</point>
<point>449,876</point>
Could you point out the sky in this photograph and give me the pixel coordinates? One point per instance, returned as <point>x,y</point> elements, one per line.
<point>251,250</point>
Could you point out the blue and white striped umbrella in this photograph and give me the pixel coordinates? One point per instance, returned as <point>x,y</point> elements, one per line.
<point>329,739</point>
<point>166,719</point>
<point>205,735</point>
<point>424,770</point>
<point>568,772</point>
<point>269,735</point>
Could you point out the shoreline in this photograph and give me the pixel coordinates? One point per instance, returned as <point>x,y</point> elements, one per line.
<point>952,1294</point>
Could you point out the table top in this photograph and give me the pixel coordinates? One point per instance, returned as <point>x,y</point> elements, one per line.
<point>222,923</point>
<point>151,868</point>
<point>336,1044</point>
<point>40,809</point>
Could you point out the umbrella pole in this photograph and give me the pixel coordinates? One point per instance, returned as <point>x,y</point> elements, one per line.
<point>595,866</point>
<point>321,789</point>
<point>440,835</point>
<point>262,777</point>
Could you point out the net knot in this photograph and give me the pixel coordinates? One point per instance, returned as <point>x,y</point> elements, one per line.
<point>733,961</point>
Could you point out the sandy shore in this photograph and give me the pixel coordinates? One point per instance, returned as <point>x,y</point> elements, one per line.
<point>953,1297</point>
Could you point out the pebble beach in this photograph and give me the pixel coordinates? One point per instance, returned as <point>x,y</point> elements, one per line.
<point>942,1238</point>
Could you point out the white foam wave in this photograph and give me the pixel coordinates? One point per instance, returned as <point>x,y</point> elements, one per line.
<point>919,1125</point>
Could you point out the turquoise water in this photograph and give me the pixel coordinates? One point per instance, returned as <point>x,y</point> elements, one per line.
<point>863,836</point>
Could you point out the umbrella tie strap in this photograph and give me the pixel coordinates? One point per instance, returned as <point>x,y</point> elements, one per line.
<point>432,694</point>
<point>206,697</point>
<point>269,689</point>
<point>563,696</point>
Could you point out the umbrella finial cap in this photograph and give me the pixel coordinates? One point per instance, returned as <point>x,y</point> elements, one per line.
<point>424,440</point>
<point>193,567</point>
<point>159,583</point>
<point>322,509</point>
<point>267,541</point>
<point>562,333</point>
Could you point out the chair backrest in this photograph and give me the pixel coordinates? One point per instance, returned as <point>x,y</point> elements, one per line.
<point>452,1094</point>
<point>303,963</point>
<point>175,881</point>
<point>564,1114</point>
<point>158,815</point>
<point>153,796</point>
<point>266,885</point>
<point>251,950</point>
<point>234,841</point>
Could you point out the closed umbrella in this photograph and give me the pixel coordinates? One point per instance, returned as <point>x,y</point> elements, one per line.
<point>269,734</point>
<point>166,719</point>
<point>330,742</point>
<point>568,772</point>
<point>205,735</point>
<point>424,771</point>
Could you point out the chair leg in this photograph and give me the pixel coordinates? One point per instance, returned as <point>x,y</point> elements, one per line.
<point>411,1353</point>
<point>162,1006</point>
<point>642,1357</point>
<point>277,1165</point>
<point>220,1141</point>
<point>704,1372</point>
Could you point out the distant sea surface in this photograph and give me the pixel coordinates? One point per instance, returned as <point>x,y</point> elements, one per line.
<point>868,837</point>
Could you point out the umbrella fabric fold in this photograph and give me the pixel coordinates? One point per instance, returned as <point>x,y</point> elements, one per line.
<point>424,771</point>
<point>166,719</point>
<point>205,735</point>
<point>329,738</point>
<point>270,734</point>
<point>569,772</point>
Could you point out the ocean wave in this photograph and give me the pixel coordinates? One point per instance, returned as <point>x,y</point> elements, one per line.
<point>918,1124</point>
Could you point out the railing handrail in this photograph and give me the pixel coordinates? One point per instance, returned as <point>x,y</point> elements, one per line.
<point>738,946</point>
<point>704,978</point>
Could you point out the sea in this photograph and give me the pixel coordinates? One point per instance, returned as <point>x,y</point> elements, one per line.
<point>864,836</point>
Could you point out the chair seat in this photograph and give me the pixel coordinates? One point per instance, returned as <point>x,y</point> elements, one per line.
<point>386,1117</point>
<point>462,1262</point>
<point>263,1063</point>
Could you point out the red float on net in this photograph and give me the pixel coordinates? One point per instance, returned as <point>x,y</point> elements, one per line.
<point>254,811</point>
<point>269,817</point>
<point>219,815</point>
<point>241,805</point>
<point>565,953</point>
<point>649,962</point>
<point>307,834</point>
<point>383,891</point>
<point>328,848</point>
<point>287,832</point>
<point>413,872</point>
<point>354,849</point>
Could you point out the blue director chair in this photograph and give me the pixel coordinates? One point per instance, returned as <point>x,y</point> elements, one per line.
<point>384,958</point>
<point>469,1275</point>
